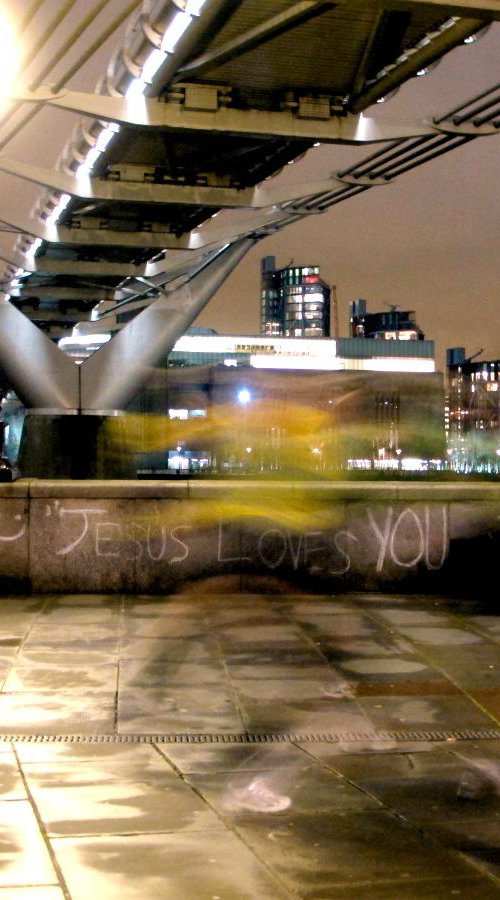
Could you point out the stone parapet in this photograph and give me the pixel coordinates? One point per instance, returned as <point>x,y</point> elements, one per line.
<point>320,537</point>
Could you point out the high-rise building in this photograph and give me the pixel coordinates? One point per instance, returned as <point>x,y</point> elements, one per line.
<point>472,412</point>
<point>295,302</point>
<point>393,325</point>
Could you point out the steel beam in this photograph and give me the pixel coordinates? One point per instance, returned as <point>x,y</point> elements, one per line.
<point>113,374</point>
<point>98,267</point>
<point>86,188</point>
<point>414,60</point>
<point>123,192</point>
<point>44,315</point>
<point>41,374</point>
<point>255,37</point>
<point>485,9</point>
<point>98,237</point>
<point>196,240</point>
<point>91,189</point>
<point>149,113</point>
<point>58,292</point>
<point>215,12</point>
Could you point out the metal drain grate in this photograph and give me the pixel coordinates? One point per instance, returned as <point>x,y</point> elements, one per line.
<point>369,738</point>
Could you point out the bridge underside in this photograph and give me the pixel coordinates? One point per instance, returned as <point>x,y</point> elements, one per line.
<point>197,109</point>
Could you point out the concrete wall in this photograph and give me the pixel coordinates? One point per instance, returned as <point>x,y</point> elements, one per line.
<point>156,537</point>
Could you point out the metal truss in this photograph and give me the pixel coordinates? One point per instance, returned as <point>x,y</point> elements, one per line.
<point>142,192</point>
<point>174,266</point>
<point>180,112</point>
<point>475,117</point>
<point>305,125</point>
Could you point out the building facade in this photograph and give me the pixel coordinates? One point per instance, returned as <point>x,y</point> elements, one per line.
<point>392,325</point>
<point>472,413</point>
<point>202,346</point>
<point>295,302</point>
<point>243,419</point>
<point>233,403</point>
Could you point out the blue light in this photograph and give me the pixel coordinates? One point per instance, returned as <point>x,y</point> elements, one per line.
<point>244,396</point>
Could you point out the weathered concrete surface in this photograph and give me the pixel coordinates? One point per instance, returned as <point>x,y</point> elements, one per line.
<point>152,537</point>
<point>193,747</point>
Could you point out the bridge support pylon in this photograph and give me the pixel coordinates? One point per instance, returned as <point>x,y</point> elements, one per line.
<point>66,431</point>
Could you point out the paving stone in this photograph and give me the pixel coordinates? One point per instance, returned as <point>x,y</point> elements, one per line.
<point>306,788</point>
<point>419,713</point>
<point>196,866</point>
<point>214,758</point>
<point>326,805</point>
<point>328,850</point>
<point>108,796</point>
<point>25,859</point>
<point>49,713</point>
<point>61,678</point>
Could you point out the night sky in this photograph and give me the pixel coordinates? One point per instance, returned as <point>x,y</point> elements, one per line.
<point>429,242</point>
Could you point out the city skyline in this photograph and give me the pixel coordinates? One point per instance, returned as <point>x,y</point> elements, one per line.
<point>428,242</point>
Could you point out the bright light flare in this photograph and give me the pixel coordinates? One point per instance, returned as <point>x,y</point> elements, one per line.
<point>244,396</point>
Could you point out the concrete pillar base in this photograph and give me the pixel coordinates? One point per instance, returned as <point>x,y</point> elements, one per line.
<point>74,446</point>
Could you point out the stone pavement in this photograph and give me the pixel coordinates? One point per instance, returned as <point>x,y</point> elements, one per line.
<point>218,747</point>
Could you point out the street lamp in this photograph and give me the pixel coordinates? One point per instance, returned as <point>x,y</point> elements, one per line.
<point>243,396</point>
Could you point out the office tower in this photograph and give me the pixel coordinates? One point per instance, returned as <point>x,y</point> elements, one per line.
<point>295,302</point>
<point>472,412</point>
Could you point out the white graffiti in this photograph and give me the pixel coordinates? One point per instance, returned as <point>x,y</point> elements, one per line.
<point>378,539</point>
<point>18,534</point>
<point>407,533</point>
<point>404,539</point>
<point>347,560</point>
<point>114,539</point>
<point>84,513</point>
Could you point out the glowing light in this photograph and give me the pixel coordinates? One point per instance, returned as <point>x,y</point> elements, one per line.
<point>135,89</point>
<point>106,136</point>
<point>244,396</point>
<point>58,210</point>
<point>175,30</point>
<point>34,247</point>
<point>84,340</point>
<point>413,464</point>
<point>86,166</point>
<point>152,64</point>
<point>193,7</point>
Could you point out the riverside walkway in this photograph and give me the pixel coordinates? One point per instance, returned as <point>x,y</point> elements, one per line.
<point>218,746</point>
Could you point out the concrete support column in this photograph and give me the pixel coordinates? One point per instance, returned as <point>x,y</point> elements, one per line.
<point>111,377</point>
<point>67,434</point>
<point>42,376</point>
<point>74,446</point>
